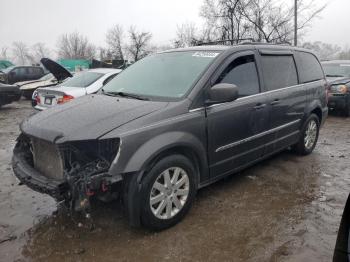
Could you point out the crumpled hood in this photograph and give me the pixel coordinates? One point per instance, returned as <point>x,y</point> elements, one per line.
<point>86,118</point>
<point>338,80</point>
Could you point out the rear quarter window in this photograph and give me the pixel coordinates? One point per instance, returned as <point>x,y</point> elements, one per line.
<point>309,67</point>
<point>279,71</point>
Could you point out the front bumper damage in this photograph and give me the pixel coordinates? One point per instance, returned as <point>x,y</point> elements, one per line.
<point>84,173</point>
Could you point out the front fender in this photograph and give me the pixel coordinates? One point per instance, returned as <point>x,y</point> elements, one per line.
<point>151,148</point>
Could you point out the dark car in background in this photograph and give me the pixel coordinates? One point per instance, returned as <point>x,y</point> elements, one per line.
<point>172,123</point>
<point>15,74</point>
<point>9,94</point>
<point>338,76</point>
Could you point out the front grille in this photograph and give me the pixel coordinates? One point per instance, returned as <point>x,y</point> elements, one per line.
<point>47,159</point>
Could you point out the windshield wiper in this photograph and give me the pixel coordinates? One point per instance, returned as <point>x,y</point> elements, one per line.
<point>334,75</point>
<point>123,94</point>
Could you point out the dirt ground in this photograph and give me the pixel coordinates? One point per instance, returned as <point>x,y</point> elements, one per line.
<point>287,208</point>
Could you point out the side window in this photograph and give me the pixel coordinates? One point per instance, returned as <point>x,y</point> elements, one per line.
<point>38,71</point>
<point>309,67</point>
<point>21,71</point>
<point>279,71</point>
<point>31,71</point>
<point>242,73</point>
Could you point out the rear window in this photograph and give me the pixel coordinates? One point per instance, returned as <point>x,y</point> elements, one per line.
<point>309,68</point>
<point>83,79</point>
<point>279,71</point>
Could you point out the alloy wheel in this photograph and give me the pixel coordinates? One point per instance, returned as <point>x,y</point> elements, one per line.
<point>169,193</point>
<point>310,134</point>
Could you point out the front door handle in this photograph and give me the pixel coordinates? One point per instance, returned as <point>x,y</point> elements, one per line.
<point>259,106</point>
<point>275,102</point>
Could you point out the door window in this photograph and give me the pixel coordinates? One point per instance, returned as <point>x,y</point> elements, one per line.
<point>242,73</point>
<point>279,71</point>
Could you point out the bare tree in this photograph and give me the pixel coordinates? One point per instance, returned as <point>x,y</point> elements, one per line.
<point>114,40</point>
<point>139,41</point>
<point>225,17</point>
<point>75,46</point>
<point>269,22</point>
<point>186,35</point>
<point>21,53</point>
<point>3,53</point>
<point>258,20</point>
<point>325,51</point>
<point>39,50</point>
<point>344,54</point>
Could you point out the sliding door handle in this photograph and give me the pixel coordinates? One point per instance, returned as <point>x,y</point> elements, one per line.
<point>275,102</point>
<point>259,106</point>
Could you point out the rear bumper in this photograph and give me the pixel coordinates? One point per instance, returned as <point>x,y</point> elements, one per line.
<point>33,179</point>
<point>40,108</point>
<point>338,101</point>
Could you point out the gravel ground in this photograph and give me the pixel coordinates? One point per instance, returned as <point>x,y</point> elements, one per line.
<point>287,208</point>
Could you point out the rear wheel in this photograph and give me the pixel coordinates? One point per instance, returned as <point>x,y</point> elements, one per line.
<point>347,109</point>
<point>168,191</point>
<point>309,136</point>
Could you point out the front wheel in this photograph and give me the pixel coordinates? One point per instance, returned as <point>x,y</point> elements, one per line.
<point>309,136</point>
<point>346,110</point>
<point>168,191</point>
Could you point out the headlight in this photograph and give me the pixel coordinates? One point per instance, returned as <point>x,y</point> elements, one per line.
<point>340,89</point>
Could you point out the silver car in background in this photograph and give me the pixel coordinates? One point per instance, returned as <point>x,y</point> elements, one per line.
<point>83,83</point>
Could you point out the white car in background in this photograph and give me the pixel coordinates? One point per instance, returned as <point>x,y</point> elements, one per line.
<point>82,83</point>
<point>56,76</point>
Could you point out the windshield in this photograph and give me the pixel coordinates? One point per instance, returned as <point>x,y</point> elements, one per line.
<point>337,70</point>
<point>168,75</point>
<point>83,79</point>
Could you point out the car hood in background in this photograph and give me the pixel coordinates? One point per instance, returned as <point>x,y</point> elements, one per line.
<point>35,85</point>
<point>22,83</point>
<point>5,88</point>
<point>56,69</point>
<point>87,118</point>
<point>338,80</point>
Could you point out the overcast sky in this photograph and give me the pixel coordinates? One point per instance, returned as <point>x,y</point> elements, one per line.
<point>34,21</point>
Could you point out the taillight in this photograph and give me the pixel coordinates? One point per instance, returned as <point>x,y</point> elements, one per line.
<point>65,98</point>
<point>37,98</point>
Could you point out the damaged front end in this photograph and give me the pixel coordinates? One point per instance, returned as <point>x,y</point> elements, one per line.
<point>73,171</point>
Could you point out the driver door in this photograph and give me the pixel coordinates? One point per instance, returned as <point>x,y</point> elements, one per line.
<point>235,129</point>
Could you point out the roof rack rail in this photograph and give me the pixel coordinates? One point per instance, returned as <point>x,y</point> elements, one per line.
<point>241,41</point>
<point>264,43</point>
<point>226,41</point>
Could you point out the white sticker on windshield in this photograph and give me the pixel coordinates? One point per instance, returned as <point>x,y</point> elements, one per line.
<point>205,54</point>
<point>345,65</point>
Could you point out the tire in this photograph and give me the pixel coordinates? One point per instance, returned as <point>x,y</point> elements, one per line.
<point>346,110</point>
<point>171,205</point>
<point>312,127</point>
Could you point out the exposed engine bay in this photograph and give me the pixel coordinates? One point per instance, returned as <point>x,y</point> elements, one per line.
<point>80,167</point>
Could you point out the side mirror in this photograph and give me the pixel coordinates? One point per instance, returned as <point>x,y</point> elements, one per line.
<point>221,93</point>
